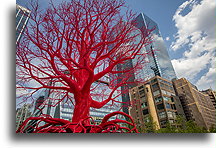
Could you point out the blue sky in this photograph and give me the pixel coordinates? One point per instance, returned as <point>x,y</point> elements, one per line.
<point>188,29</point>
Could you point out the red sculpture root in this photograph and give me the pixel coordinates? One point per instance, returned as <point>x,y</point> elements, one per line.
<point>56,125</point>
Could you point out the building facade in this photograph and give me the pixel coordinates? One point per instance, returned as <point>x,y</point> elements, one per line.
<point>155,98</point>
<point>197,105</point>
<point>22,17</point>
<point>22,114</point>
<point>211,95</point>
<point>157,61</point>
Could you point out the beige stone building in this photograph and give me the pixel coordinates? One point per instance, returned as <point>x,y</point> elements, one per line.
<point>156,99</point>
<point>197,105</point>
<point>211,95</point>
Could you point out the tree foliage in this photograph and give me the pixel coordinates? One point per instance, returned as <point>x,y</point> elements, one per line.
<point>179,126</point>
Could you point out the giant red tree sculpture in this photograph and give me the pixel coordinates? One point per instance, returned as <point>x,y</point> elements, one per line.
<point>76,44</point>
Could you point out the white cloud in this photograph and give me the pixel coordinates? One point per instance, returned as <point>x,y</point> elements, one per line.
<point>199,21</point>
<point>209,79</point>
<point>167,38</point>
<point>196,35</point>
<point>186,67</point>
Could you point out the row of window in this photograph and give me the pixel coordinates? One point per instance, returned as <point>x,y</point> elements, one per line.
<point>168,83</point>
<point>161,115</point>
<point>157,92</point>
<point>166,87</point>
<point>167,105</point>
<point>160,99</point>
<point>167,93</point>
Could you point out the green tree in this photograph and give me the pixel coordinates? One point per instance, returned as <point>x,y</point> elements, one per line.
<point>149,127</point>
<point>182,126</point>
<point>212,129</point>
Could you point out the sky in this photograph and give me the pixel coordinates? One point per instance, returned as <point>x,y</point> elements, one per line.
<point>188,29</point>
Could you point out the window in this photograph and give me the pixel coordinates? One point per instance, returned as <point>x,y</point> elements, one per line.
<point>173,106</point>
<point>162,115</point>
<point>171,88</point>
<point>170,114</point>
<point>167,93</point>
<point>168,106</point>
<point>155,86</point>
<point>143,98</point>
<point>172,99</point>
<point>163,92</point>
<point>163,122</point>
<point>167,99</point>
<point>144,104</point>
<point>145,112</point>
<point>155,93</point>
<point>171,121</point>
<point>154,80</point>
<point>174,115</point>
<point>141,87</point>
<point>158,99</point>
<point>141,92</point>
<point>160,106</point>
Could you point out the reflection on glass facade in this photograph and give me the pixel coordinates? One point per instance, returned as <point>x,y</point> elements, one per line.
<point>22,16</point>
<point>158,61</point>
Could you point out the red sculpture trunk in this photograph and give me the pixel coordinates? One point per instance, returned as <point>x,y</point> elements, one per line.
<point>82,108</point>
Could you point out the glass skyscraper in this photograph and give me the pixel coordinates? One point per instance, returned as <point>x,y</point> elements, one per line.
<point>22,17</point>
<point>158,61</point>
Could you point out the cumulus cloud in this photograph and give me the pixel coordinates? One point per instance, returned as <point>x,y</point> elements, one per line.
<point>196,36</point>
<point>188,68</point>
<point>208,79</point>
<point>195,24</point>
